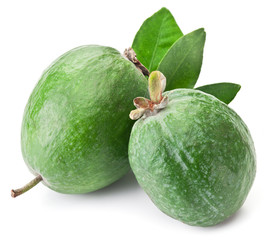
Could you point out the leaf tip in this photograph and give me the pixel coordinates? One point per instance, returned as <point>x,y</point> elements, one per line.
<point>164,9</point>
<point>201,31</point>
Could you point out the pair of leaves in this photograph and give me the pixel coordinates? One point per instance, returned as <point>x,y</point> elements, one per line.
<point>161,45</point>
<point>156,35</point>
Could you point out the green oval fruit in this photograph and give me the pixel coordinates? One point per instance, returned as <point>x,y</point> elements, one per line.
<point>76,129</point>
<point>195,158</point>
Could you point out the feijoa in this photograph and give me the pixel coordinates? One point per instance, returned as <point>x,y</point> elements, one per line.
<point>193,155</point>
<point>75,128</point>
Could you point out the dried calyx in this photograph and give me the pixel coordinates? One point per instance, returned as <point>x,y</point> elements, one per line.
<point>149,107</point>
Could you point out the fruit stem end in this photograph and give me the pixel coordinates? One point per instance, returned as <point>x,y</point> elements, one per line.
<point>31,184</point>
<point>146,107</point>
<point>131,56</point>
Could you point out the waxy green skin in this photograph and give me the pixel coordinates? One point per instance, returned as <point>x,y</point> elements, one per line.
<point>195,158</point>
<point>76,129</point>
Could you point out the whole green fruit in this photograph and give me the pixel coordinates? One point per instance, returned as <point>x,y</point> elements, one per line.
<point>195,158</point>
<point>76,129</point>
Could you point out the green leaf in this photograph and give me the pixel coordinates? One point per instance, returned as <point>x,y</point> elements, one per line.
<point>225,92</point>
<point>182,63</point>
<point>156,35</point>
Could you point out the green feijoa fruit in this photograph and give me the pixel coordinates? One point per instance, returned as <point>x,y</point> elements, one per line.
<point>195,158</point>
<point>75,129</point>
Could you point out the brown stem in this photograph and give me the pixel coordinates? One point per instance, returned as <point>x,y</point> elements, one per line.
<point>31,184</point>
<point>131,56</point>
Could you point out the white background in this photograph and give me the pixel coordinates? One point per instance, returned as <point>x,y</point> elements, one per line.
<point>239,48</point>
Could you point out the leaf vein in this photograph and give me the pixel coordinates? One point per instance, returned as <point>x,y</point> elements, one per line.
<point>156,44</point>
<point>183,60</point>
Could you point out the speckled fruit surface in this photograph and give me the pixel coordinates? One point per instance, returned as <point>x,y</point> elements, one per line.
<point>195,158</point>
<point>76,128</point>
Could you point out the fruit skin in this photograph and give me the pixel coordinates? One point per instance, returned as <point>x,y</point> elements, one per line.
<point>195,158</point>
<point>76,129</point>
